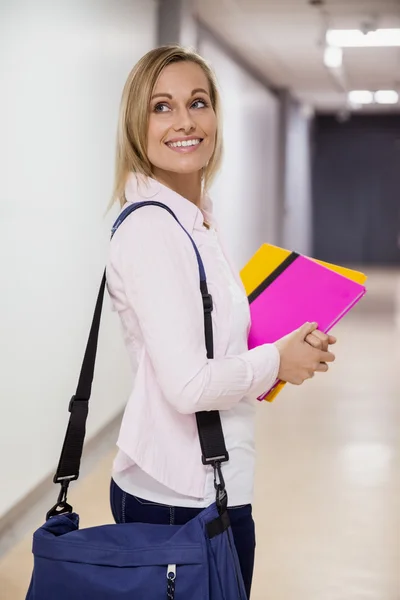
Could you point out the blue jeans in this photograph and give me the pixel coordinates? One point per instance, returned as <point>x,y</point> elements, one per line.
<point>130,509</point>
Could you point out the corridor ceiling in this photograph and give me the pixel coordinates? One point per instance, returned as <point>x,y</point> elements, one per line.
<point>284,41</point>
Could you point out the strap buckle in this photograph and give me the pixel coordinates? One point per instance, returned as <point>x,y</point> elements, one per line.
<point>207,303</point>
<point>74,400</point>
<point>218,472</point>
<point>71,403</point>
<point>215,459</point>
<point>61,507</point>
<point>219,485</point>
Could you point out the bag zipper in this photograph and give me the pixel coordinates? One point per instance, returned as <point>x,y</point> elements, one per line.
<point>171,576</point>
<point>235,567</point>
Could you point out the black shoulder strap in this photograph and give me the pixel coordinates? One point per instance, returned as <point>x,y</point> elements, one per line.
<point>208,423</point>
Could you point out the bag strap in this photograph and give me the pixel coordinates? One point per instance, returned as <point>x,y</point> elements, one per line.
<point>209,425</point>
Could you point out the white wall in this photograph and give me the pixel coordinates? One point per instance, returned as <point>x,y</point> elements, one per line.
<point>246,192</point>
<point>297,225</point>
<point>62,68</point>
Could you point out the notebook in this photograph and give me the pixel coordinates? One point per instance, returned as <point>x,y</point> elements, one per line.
<point>286,289</point>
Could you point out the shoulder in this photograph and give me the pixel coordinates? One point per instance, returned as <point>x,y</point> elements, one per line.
<point>151,232</point>
<point>150,224</point>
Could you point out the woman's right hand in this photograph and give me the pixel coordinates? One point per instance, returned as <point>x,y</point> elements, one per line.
<point>299,360</point>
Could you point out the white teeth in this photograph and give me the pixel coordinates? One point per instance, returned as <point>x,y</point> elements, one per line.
<point>184,143</point>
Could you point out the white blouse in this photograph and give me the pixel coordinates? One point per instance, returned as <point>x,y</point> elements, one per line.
<point>237,423</point>
<point>153,281</point>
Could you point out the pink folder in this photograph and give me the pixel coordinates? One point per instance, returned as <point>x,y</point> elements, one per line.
<point>301,290</point>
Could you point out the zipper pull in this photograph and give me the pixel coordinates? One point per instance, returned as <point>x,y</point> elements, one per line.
<point>171,576</point>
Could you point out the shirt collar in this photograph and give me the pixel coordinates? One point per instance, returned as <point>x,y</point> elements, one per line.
<point>140,188</point>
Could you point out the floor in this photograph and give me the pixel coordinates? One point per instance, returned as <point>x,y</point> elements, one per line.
<point>328,476</point>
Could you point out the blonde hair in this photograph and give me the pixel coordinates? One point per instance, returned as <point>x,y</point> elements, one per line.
<point>131,154</point>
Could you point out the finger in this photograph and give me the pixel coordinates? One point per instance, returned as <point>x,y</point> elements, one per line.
<point>326,357</point>
<point>327,339</point>
<point>307,328</point>
<point>322,367</point>
<point>319,340</point>
<point>320,334</point>
<point>330,339</point>
<point>316,342</point>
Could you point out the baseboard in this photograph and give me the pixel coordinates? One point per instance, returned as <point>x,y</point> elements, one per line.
<point>22,517</point>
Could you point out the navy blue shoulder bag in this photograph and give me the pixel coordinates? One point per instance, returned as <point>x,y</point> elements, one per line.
<point>136,561</point>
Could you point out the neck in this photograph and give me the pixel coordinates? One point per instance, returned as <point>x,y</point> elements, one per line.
<point>187,185</point>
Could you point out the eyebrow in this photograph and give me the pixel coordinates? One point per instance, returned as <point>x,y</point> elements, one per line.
<point>165,95</point>
<point>197,90</point>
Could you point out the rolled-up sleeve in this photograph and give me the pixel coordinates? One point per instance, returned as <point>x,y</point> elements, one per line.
<point>158,268</point>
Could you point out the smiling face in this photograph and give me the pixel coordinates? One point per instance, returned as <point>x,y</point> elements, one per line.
<point>182,123</point>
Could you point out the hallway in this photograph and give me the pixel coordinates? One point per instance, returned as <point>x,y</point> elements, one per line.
<point>328,486</point>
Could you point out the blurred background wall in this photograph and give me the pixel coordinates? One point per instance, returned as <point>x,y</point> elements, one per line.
<point>297,202</point>
<point>62,68</point>
<point>357,189</point>
<point>246,193</point>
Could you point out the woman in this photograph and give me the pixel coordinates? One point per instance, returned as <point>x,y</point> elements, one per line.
<point>169,150</point>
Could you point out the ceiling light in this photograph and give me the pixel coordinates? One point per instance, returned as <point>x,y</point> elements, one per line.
<point>386,97</point>
<point>333,57</point>
<point>354,38</point>
<point>361,97</point>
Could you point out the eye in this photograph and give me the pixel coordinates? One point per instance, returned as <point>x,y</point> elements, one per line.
<point>159,108</point>
<point>200,103</point>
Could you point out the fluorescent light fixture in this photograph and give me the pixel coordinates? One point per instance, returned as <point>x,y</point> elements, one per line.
<point>354,38</point>
<point>386,97</point>
<point>333,57</point>
<point>361,97</point>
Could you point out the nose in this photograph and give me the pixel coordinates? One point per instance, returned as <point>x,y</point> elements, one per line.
<point>184,121</point>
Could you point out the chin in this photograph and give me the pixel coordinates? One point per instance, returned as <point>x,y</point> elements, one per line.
<point>185,168</point>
